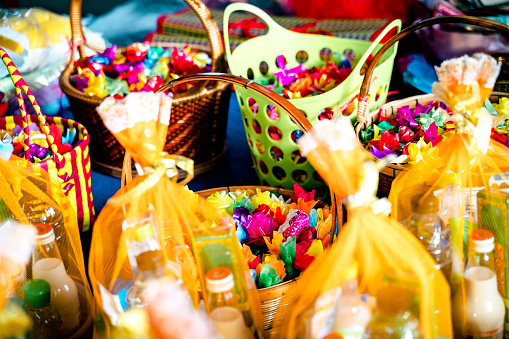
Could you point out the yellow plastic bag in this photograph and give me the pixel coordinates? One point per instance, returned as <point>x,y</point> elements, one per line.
<point>372,250</point>
<point>463,166</point>
<point>153,206</point>
<point>30,198</point>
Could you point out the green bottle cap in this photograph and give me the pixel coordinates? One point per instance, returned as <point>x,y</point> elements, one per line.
<point>144,232</point>
<point>37,293</point>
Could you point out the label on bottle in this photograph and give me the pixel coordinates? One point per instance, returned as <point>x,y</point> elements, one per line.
<point>493,334</point>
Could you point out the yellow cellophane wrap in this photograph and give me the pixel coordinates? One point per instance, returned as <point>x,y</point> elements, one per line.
<point>17,177</point>
<point>463,165</point>
<point>177,209</point>
<point>381,247</point>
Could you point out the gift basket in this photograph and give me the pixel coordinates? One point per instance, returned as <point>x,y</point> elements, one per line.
<point>50,281</point>
<point>58,146</point>
<point>144,235</point>
<point>377,280</point>
<point>181,221</point>
<point>462,189</point>
<point>398,112</point>
<point>272,137</point>
<point>198,123</point>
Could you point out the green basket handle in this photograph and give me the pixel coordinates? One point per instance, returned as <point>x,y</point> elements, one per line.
<point>237,6</point>
<point>363,116</point>
<point>390,26</point>
<point>283,104</point>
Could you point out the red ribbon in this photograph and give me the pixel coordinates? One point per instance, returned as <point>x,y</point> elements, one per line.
<point>246,25</point>
<point>310,29</point>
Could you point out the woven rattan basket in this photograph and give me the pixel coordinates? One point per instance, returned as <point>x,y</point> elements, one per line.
<point>366,118</point>
<point>271,297</point>
<point>198,118</point>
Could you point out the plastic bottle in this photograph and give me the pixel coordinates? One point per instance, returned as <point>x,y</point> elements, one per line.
<point>144,241</point>
<point>427,226</point>
<point>48,265</point>
<point>40,212</point>
<point>352,315</point>
<point>482,314</point>
<point>150,266</point>
<point>224,305</point>
<point>392,318</point>
<point>45,317</point>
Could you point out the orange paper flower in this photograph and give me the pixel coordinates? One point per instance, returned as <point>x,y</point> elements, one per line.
<point>277,239</point>
<point>302,205</point>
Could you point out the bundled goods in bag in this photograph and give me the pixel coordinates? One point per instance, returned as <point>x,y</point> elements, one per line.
<point>51,285</point>
<point>142,252</point>
<point>460,189</point>
<point>376,280</point>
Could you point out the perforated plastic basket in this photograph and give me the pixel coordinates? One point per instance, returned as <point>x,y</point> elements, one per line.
<point>277,159</point>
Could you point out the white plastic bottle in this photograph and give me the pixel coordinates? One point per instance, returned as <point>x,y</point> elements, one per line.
<point>482,313</point>
<point>64,293</point>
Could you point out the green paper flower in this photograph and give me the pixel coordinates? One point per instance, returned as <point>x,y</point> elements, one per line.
<point>244,202</point>
<point>114,86</point>
<point>268,277</point>
<point>288,252</point>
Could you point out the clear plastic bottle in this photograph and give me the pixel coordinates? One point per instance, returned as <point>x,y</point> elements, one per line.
<point>40,212</point>
<point>144,241</point>
<point>426,225</point>
<point>352,315</point>
<point>150,266</point>
<point>224,305</point>
<point>48,265</point>
<point>482,314</point>
<point>45,317</point>
<point>392,318</point>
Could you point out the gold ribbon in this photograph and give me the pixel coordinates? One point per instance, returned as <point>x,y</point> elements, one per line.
<point>169,165</point>
<point>366,196</point>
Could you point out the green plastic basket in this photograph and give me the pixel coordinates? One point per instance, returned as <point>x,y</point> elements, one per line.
<point>278,162</point>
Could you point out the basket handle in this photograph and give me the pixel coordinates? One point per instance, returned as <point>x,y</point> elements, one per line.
<point>20,85</point>
<point>217,51</point>
<point>237,6</point>
<point>283,104</point>
<point>363,112</point>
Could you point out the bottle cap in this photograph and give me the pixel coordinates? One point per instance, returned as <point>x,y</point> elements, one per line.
<point>425,204</point>
<point>144,232</point>
<point>45,234</point>
<point>37,293</point>
<point>482,241</point>
<point>219,280</point>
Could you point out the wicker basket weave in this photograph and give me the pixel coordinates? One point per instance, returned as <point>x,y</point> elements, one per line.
<point>271,297</point>
<point>198,118</point>
<point>366,118</point>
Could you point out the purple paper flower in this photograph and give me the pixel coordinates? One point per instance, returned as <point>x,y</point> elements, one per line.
<point>381,154</point>
<point>36,151</point>
<point>240,215</point>
<point>259,225</point>
<point>286,76</point>
<point>81,83</point>
<point>109,53</point>
<point>405,117</point>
